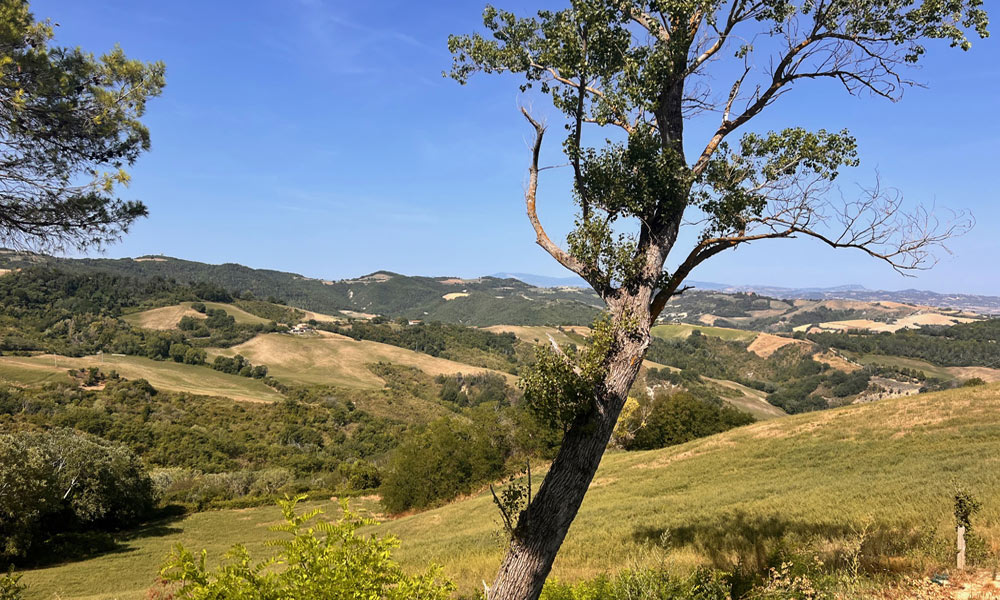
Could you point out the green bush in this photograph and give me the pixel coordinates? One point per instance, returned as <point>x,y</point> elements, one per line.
<point>451,457</point>
<point>61,481</point>
<point>11,587</point>
<point>677,418</point>
<point>322,560</point>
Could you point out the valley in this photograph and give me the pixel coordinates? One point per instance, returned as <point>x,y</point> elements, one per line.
<point>373,400</point>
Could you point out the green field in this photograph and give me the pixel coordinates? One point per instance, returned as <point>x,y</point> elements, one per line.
<point>128,572</point>
<point>164,375</point>
<point>806,480</point>
<point>732,496</point>
<point>679,331</point>
<point>929,369</point>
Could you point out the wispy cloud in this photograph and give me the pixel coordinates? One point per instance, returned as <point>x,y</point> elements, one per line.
<point>348,44</point>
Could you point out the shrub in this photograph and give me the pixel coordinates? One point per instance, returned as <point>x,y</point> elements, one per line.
<point>678,418</point>
<point>11,587</point>
<point>450,458</point>
<point>322,560</point>
<point>61,480</point>
<point>194,356</point>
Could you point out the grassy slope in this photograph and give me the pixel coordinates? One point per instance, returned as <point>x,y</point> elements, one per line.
<point>330,359</point>
<point>753,401</point>
<point>539,334</point>
<point>711,500</point>
<point>163,375</point>
<point>168,317</point>
<point>127,573</point>
<point>722,497</point>
<point>929,369</point>
<point>683,330</point>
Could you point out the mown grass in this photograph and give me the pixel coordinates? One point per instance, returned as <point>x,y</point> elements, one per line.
<point>167,317</point>
<point>165,375</point>
<point>541,334</point>
<point>807,483</point>
<point>751,401</point>
<point>928,369</point>
<point>676,331</point>
<point>330,359</point>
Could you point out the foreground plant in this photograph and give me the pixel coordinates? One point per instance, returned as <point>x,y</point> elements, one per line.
<point>639,71</point>
<point>322,560</point>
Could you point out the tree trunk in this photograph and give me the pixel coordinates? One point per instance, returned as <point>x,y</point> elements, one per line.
<point>542,527</point>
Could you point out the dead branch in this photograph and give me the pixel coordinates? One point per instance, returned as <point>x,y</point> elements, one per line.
<point>588,272</point>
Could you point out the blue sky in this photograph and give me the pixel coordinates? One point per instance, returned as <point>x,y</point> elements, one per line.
<point>320,137</point>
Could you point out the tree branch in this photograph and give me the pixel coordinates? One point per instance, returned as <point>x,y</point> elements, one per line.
<point>589,273</point>
<point>874,224</point>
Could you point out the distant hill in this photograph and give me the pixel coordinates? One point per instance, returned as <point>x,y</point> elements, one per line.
<point>970,302</point>
<point>482,301</point>
<point>505,299</point>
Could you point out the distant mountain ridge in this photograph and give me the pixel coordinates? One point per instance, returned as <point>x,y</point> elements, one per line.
<point>482,301</point>
<point>501,299</point>
<point>971,302</point>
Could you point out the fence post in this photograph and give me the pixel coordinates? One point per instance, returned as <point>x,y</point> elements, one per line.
<point>961,547</point>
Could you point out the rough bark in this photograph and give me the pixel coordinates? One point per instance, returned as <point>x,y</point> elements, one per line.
<point>542,527</point>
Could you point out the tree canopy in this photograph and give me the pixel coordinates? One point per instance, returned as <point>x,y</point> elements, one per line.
<point>69,125</point>
<point>644,66</point>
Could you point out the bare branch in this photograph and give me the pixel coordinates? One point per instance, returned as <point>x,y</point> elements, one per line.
<point>588,272</point>
<point>875,224</point>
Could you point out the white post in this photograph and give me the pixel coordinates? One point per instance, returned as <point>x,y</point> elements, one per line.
<point>961,547</point>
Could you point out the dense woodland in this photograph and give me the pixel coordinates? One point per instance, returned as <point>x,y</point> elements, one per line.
<point>969,344</point>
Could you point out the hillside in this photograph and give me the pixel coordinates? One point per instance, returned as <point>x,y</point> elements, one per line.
<point>742,493</point>
<point>505,300</point>
<point>168,317</point>
<point>481,301</point>
<point>330,359</point>
<point>810,479</point>
<point>165,375</point>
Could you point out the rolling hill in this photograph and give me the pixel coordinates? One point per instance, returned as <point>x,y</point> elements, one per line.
<point>168,317</point>
<point>814,481</point>
<point>165,375</point>
<point>479,301</point>
<point>506,300</point>
<point>330,359</point>
<point>813,478</point>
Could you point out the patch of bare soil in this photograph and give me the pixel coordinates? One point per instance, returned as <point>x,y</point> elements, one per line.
<point>964,586</point>
<point>765,344</point>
